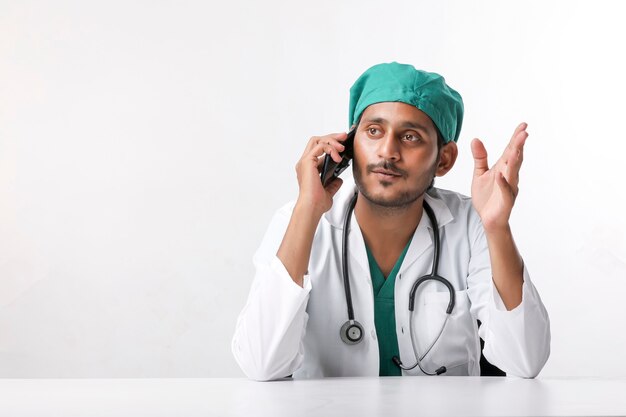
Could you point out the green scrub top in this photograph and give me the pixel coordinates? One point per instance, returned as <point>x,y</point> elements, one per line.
<point>384,313</point>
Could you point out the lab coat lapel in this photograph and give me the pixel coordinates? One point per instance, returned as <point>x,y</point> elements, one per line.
<point>423,236</point>
<point>357,251</point>
<point>421,241</point>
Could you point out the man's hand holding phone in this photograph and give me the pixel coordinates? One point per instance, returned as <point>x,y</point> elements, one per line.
<point>313,194</point>
<point>331,169</point>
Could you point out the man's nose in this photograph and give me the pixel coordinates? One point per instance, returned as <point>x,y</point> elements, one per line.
<point>389,147</point>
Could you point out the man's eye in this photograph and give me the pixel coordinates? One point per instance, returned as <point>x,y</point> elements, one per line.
<point>411,138</point>
<point>372,130</point>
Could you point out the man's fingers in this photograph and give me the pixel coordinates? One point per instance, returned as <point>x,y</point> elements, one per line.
<point>339,135</point>
<point>516,153</point>
<point>516,144</point>
<point>327,148</point>
<point>508,192</point>
<point>333,138</point>
<point>480,157</point>
<point>520,127</point>
<point>335,143</point>
<point>514,156</point>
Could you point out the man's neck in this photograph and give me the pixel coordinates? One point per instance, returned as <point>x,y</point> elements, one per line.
<point>387,230</point>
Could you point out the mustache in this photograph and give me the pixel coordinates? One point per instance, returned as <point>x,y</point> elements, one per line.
<point>386,165</point>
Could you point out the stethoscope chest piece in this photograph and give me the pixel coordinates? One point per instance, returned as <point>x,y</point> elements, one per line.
<point>351,332</point>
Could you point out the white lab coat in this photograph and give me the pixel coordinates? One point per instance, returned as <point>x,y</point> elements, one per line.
<point>285,329</point>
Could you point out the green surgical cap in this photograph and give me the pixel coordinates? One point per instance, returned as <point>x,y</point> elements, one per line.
<point>399,82</point>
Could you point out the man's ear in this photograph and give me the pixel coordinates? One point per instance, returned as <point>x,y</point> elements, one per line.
<point>447,158</point>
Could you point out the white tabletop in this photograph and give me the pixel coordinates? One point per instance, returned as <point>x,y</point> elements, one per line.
<point>392,396</point>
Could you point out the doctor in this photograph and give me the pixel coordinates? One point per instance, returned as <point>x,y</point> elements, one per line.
<point>297,320</point>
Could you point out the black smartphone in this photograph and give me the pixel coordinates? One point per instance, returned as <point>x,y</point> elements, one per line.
<point>332,169</point>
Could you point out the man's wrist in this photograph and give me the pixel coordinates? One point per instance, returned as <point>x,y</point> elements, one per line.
<point>308,210</point>
<point>497,231</point>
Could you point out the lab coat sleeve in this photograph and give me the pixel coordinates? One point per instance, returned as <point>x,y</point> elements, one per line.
<point>267,343</point>
<point>516,341</point>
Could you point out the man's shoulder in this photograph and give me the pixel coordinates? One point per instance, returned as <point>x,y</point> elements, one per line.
<point>450,197</point>
<point>455,201</point>
<point>464,217</point>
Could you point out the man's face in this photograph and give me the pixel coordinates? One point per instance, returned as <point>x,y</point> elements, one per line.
<point>395,154</point>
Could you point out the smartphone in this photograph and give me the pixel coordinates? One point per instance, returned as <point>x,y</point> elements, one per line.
<point>332,169</point>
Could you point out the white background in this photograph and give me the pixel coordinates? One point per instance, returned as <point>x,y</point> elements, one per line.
<point>144,146</point>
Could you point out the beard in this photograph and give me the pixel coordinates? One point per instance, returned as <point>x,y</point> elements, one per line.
<point>404,199</point>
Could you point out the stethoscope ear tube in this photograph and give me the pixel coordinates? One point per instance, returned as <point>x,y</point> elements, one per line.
<point>425,278</point>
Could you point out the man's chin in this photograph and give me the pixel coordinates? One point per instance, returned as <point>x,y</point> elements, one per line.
<point>390,200</point>
<point>388,194</point>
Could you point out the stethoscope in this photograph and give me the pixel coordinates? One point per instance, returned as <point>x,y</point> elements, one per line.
<point>352,331</point>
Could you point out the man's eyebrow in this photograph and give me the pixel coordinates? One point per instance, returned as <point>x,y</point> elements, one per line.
<point>406,123</point>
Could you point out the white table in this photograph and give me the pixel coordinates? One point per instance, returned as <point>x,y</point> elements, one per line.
<point>346,397</point>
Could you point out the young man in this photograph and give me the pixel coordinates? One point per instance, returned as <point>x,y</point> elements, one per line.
<point>338,267</point>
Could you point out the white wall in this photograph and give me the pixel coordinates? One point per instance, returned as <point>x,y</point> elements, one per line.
<point>144,146</point>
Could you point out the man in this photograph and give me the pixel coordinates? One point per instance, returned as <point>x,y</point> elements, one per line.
<point>301,318</point>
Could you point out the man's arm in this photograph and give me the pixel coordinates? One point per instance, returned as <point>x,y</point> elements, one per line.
<point>516,341</point>
<point>506,266</point>
<point>267,343</point>
<point>493,195</point>
<point>295,249</point>
<point>313,201</point>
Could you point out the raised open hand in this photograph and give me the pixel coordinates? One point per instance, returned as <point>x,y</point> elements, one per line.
<point>494,190</point>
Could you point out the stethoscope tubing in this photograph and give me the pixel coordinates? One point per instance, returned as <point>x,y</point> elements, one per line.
<point>352,323</point>
<point>344,257</point>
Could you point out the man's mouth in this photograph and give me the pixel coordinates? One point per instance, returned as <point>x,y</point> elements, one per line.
<point>386,175</point>
<point>386,172</point>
